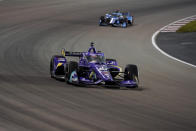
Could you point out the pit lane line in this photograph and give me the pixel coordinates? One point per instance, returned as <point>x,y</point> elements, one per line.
<point>164,53</point>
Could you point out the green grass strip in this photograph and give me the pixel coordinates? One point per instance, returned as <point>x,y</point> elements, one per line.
<point>190,27</point>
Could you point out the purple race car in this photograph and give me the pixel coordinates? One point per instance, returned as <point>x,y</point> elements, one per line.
<point>92,69</point>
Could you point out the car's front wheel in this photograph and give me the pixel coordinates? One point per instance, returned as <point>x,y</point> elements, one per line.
<point>131,22</point>
<point>71,72</point>
<point>101,20</point>
<point>131,73</point>
<point>125,22</point>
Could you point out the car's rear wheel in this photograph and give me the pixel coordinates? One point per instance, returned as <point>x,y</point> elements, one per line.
<point>52,67</point>
<point>110,61</point>
<point>58,71</point>
<point>113,71</point>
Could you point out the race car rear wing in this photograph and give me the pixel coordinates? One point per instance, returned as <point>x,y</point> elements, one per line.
<point>69,53</point>
<point>74,54</point>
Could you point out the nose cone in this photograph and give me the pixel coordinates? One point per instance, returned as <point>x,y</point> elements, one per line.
<point>103,72</point>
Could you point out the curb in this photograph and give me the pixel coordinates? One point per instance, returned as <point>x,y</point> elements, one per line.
<point>165,29</point>
<point>174,26</point>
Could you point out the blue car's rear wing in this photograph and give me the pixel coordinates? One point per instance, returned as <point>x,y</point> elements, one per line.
<point>69,53</point>
<point>74,54</point>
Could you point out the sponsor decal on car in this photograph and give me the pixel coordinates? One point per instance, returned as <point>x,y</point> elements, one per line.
<point>73,77</point>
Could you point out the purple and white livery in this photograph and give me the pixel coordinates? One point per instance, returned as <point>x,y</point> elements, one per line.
<point>92,69</point>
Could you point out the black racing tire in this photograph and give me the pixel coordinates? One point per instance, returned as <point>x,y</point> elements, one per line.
<point>102,20</point>
<point>121,21</point>
<point>126,20</point>
<point>52,67</point>
<point>131,73</point>
<point>109,59</point>
<point>52,74</point>
<point>70,67</point>
<point>114,74</point>
<point>132,20</point>
<point>131,23</point>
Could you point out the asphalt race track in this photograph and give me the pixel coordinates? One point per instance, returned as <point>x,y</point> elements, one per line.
<point>179,45</point>
<point>31,31</point>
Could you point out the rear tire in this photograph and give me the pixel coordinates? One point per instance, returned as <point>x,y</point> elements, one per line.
<point>52,67</point>
<point>52,72</point>
<point>111,59</point>
<point>114,74</point>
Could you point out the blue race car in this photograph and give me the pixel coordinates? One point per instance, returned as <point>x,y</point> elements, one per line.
<point>117,18</point>
<point>92,69</point>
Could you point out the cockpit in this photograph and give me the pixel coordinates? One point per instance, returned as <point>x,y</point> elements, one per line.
<point>95,58</point>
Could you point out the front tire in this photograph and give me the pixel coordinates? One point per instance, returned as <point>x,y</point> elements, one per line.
<point>131,22</point>
<point>70,68</point>
<point>125,22</point>
<point>131,73</point>
<point>101,20</point>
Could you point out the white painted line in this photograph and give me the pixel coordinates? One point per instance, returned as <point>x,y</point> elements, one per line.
<point>189,20</point>
<point>192,18</point>
<point>164,53</point>
<point>169,27</point>
<point>180,24</point>
<point>167,30</point>
<point>174,26</point>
